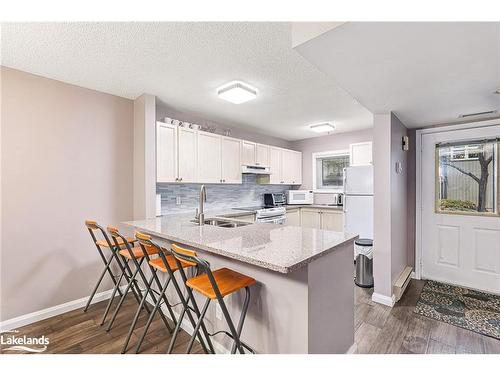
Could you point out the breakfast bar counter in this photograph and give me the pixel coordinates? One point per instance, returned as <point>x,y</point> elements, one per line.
<point>303,301</point>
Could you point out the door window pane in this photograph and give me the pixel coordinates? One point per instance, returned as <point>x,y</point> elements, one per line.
<point>467,177</point>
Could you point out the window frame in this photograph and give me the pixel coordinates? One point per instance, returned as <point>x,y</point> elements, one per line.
<point>321,155</point>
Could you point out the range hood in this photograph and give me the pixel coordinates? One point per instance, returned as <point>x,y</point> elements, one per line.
<point>255,169</point>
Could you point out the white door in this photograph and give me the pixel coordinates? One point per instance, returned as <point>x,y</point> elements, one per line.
<point>262,155</point>
<point>460,245</point>
<point>166,152</point>
<point>231,160</point>
<point>209,157</point>
<point>187,150</point>
<point>248,153</point>
<point>275,165</point>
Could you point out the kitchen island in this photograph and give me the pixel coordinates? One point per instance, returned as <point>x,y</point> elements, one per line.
<point>303,301</point>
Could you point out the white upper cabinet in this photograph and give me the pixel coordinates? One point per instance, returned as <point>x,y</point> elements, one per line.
<point>231,160</point>
<point>360,153</point>
<point>191,156</point>
<point>291,164</point>
<point>209,157</point>
<point>166,152</point>
<point>275,165</point>
<point>187,150</point>
<point>262,155</point>
<point>248,153</point>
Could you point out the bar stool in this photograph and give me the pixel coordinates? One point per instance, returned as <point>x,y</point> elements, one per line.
<point>214,286</point>
<point>167,265</point>
<point>92,226</point>
<point>137,255</point>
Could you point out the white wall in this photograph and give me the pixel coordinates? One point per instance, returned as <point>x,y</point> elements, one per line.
<point>66,156</point>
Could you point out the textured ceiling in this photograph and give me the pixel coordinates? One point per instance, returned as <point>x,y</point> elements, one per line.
<point>426,73</point>
<point>183,63</point>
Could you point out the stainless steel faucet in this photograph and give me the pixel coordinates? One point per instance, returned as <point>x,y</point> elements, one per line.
<point>200,212</point>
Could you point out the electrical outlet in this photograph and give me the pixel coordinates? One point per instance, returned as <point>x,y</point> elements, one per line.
<point>218,311</point>
<point>178,200</point>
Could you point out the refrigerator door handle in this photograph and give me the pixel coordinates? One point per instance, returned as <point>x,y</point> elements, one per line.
<point>345,204</point>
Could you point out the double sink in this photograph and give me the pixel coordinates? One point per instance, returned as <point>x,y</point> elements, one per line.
<point>222,223</point>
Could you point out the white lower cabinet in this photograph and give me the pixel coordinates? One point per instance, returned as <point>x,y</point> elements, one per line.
<point>293,217</point>
<point>323,219</point>
<point>311,218</point>
<point>209,158</point>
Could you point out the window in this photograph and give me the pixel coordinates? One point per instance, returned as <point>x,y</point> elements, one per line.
<point>467,177</point>
<point>328,171</point>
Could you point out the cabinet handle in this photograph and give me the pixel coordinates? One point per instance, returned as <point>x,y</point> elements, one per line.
<point>176,179</point>
<point>223,180</point>
<point>180,179</point>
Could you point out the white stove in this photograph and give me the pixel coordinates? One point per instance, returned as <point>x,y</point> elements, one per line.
<point>267,214</point>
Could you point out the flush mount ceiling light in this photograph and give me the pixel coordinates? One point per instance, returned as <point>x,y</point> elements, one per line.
<point>237,92</point>
<point>322,127</point>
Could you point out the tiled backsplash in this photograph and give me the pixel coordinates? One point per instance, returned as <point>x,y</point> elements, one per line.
<point>249,193</point>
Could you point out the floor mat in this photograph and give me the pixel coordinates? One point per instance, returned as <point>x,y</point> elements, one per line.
<point>466,308</point>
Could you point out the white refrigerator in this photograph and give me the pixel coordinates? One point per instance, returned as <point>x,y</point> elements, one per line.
<point>358,200</point>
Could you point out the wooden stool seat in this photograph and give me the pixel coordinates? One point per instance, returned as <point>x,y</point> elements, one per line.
<point>104,243</point>
<point>227,280</point>
<point>160,266</point>
<point>137,251</point>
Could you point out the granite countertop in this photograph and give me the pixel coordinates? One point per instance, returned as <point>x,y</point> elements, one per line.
<point>280,248</point>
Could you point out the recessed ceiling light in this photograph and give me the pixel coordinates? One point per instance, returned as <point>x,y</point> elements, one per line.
<point>237,92</point>
<point>322,127</point>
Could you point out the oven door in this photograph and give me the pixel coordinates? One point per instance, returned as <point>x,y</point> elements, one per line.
<point>273,219</point>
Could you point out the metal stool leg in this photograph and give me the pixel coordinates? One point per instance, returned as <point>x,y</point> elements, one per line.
<point>129,285</point>
<point>242,318</point>
<point>151,317</point>
<point>200,322</point>
<point>136,318</point>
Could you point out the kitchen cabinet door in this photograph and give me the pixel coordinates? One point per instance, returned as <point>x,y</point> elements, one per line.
<point>297,168</point>
<point>248,153</point>
<point>166,152</point>
<point>187,150</point>
<point>275,165</point>
<point>310,218</point>
<point>209,158</point>
<point>287,167</point>
<point>332,220</point>
<point>262,155</point>
<point>360,153</point>
<point>231,160</point>
<point>293,217</point>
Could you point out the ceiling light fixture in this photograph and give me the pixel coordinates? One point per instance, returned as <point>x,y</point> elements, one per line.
<point>237,92</point>
<point>322,127</point>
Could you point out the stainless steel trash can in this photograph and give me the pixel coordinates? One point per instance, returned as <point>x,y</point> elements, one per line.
<point>363,248</point>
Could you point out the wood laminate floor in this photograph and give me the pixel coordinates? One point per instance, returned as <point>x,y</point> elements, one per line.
<point>379,329</point>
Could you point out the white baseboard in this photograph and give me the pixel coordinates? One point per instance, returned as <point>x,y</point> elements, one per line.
<point>353,349</point>
<point>37,316</point>
<point>384,300</point>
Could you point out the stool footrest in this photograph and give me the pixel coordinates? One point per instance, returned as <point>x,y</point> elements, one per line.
<point>245,345</point>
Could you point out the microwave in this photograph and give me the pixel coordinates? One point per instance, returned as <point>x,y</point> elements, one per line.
<point>300,197</point>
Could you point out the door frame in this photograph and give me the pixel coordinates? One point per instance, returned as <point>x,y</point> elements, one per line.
<point>418,177</point>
